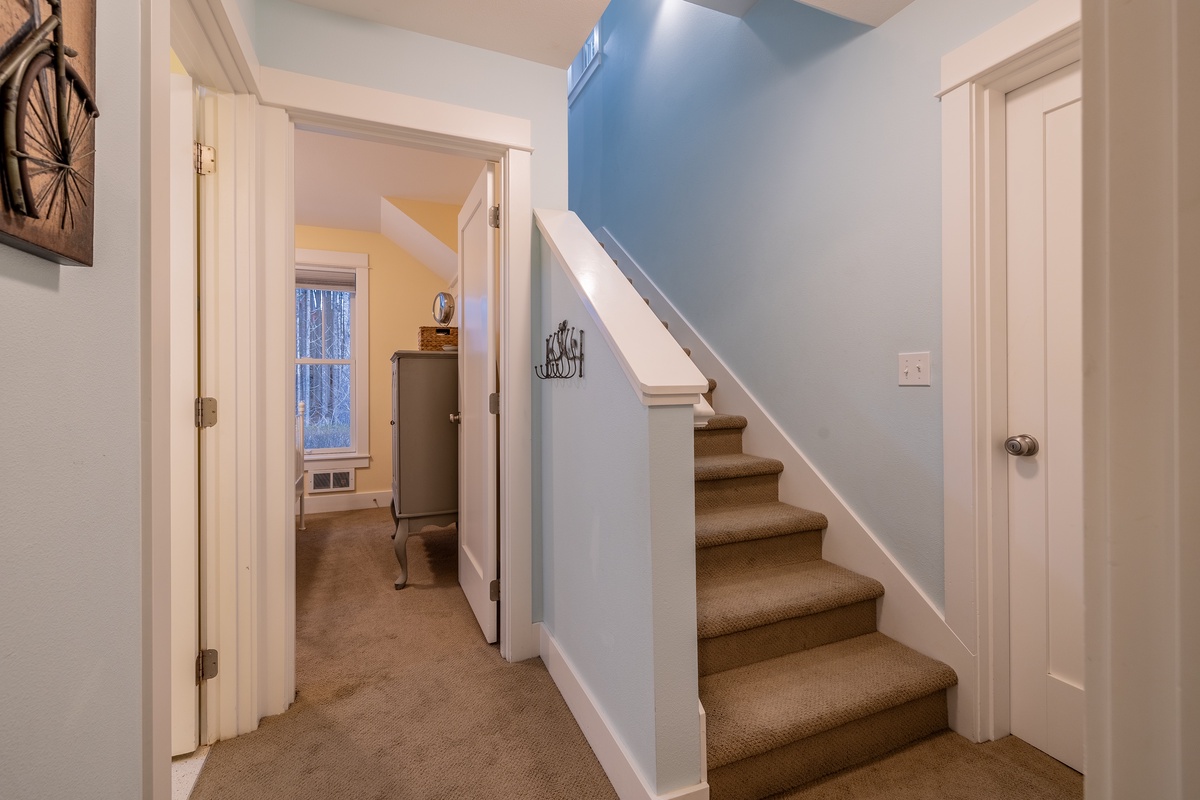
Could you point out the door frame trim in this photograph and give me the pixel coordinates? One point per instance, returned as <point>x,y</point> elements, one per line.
<point>324,105</point>
<point>175,307</point>
<point>211,43</point>
<point>975,78</point>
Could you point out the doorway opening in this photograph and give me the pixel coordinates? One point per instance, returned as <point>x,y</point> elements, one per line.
<point>378,239</point>
<point>247,233</point>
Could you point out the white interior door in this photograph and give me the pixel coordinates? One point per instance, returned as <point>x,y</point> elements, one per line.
<point>185,551</point>
<point>1045,390</point>
<point>478,546</point>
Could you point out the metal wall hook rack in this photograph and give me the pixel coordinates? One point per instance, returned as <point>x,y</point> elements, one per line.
<point>564,354</point>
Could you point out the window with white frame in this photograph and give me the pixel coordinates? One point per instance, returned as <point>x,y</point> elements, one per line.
<point>331,354</point>
<point>585,63</point>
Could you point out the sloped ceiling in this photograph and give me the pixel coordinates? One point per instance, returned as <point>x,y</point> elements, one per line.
<point>409,233</point>
<point>546,31</point>
<point>340,180</point>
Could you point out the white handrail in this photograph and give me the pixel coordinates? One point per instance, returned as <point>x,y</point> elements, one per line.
<point>658,369</point>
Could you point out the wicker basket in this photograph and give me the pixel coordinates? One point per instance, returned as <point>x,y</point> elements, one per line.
<point>437,338</point>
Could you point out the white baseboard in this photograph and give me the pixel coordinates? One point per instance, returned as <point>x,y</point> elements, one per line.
<point>345,501</point>
<point>906,613</point>
<point>625,777</point>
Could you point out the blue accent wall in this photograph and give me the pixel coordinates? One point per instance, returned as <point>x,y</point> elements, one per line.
<point>778,176</point>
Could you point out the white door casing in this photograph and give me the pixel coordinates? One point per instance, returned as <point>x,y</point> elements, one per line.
<point>184,487</point>
<point>1045,400</point>
<point>477,358</point>
<point>976,78</point>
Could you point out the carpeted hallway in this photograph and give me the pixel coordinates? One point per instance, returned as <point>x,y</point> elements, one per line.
<point>399,697</point>
<point>398,694</point>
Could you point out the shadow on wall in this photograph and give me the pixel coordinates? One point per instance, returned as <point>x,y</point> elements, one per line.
<point>797,34</point>
<point>29,269</point>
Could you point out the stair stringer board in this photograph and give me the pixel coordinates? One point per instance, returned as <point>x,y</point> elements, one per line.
<point>905,613</point>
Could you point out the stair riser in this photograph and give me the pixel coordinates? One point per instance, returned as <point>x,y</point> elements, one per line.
<point>787,636</point>
<point>720,442</point>
<point>711,495</point>
<point>787,549</point>
<point>817,756</point>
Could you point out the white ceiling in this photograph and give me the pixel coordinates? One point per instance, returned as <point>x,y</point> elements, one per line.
<point>546,31</point>
<point>339,180</point>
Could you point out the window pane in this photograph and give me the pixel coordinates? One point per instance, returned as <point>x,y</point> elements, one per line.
<point>322,323</point>
<point>325,391</point>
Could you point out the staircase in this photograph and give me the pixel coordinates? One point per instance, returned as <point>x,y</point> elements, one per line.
<point>795,681</point>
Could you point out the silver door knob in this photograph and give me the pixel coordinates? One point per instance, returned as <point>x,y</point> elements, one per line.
<point>1021,445</point>
<point>456,418</point>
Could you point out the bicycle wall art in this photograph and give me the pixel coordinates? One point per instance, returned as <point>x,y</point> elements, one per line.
<point>48,127</point>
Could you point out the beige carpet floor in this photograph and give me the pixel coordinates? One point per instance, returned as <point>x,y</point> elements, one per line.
<point>398,694</point>
<point>946,766</point>
<point>400,697</point>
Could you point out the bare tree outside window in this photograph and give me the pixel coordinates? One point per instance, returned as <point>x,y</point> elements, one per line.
<point>324,368</point>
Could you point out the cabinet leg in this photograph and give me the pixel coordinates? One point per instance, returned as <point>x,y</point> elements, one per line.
<point>401,546</point>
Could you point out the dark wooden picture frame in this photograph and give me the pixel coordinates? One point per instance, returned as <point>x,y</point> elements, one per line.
<point>48,117</point>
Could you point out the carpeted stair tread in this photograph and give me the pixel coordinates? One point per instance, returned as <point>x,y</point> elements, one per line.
<point>743,598</point>
<point>735,465</point>
<point>747,523</point>
<point>754,709</point>
<point>725,422</point>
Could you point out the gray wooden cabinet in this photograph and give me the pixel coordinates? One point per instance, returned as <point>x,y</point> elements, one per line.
<point>424,444</point>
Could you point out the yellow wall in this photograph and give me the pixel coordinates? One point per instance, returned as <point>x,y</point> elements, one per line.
<point>440,219</point>
<point>177,67</point>
<point>401,300</point>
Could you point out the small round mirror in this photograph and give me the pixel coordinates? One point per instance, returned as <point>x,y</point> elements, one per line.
<point>443,308</point>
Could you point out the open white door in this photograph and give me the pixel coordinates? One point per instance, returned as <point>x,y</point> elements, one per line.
<point>185,551</point>
<point>1045,402</point>
<point>478,545</point>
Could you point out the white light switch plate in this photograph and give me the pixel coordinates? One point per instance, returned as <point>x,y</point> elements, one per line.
<point>914,369</point>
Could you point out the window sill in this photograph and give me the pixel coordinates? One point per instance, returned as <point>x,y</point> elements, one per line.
<point>337,461</point>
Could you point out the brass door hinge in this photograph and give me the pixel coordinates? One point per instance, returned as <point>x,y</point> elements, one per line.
<point>206,412</point>
<point>206,665</point>
<point>205,159</point>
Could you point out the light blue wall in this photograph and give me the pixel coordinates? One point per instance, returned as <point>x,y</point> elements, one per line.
<point>71,658</point>
<point>312,41</point>
<point>778,176</point>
